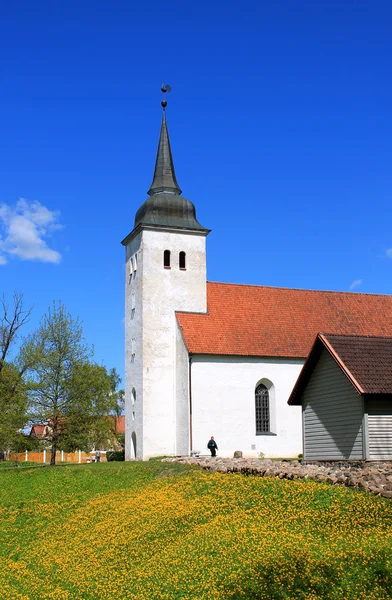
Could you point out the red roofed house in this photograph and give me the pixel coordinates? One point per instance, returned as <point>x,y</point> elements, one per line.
<point>216,359</point>
<point>39,431</point>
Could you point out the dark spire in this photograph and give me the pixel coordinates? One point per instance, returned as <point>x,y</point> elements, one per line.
<point>164,175</point>
<point>165,207</point>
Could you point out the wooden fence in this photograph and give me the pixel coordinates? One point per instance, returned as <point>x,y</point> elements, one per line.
<point>44,456</point>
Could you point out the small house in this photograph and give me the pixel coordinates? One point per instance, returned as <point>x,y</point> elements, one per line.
<point>345,390</point>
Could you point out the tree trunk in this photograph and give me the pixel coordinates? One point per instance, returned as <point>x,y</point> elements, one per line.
<point>53,453</point>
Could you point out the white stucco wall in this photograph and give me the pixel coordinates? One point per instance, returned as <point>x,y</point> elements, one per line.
<point>133,344</point>
<point>182,395</point>
<point>223,405</point>
<point>159,293</point>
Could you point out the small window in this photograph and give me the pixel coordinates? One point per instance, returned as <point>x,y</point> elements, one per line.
<point>131,267</point>
<point>166,259</point>
<point>262,409</point>
<point>182,260</point>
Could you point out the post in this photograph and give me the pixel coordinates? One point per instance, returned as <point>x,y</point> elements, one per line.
<point>44,456</point>
<point>80,456</point>
<point>27,456</point>
<point>62,455</point>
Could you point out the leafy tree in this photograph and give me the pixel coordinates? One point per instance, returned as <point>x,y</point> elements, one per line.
<point>92,397</point>
<point>23,441</point>
<point>67,390</point>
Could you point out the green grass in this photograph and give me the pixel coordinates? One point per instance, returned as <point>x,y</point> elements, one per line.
<point>18,464</point>
<point>118,531</point>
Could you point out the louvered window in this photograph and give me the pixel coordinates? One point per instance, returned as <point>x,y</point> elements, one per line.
<point>262,409</point>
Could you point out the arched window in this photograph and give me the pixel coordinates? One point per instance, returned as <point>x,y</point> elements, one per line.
<point>262,409</point>
<point>166,259</point>
<point>133,438</point>
<point>182,260</point>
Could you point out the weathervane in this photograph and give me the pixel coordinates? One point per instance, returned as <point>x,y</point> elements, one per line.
<point>165,88</point>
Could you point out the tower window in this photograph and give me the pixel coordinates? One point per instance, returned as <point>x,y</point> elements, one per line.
<point>262,409</point>
<point>166,259</point>
<point>182,260</point>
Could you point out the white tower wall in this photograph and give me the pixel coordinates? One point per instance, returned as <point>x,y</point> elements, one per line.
<point>156,293</point>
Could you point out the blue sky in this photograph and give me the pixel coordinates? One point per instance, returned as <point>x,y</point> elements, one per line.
<point>281,129</point>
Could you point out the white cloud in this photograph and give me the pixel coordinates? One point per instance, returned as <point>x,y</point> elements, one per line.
<point>356,283</point>
<point>25,227</point>
<point>389,253</point>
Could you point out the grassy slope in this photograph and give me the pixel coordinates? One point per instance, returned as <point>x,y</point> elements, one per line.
<point>153,530</point>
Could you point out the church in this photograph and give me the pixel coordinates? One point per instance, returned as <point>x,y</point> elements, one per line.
<point>205,358</point>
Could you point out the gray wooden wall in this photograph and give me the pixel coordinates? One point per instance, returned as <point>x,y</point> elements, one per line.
<point>379,426</point>
<point>332,414</point>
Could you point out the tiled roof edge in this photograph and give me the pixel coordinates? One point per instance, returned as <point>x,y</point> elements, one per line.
<point>275,287</point>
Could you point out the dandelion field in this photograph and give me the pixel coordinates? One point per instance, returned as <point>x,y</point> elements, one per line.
<point>119,531</point>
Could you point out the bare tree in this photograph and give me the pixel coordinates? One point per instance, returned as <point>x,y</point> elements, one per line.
<point>11,320</point>
<point>13,391</point>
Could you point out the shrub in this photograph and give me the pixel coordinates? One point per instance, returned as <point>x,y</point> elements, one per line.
<point>113,455</point>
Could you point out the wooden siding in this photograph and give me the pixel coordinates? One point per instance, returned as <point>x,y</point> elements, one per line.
<point>332,414</point>
<point>379,420</point>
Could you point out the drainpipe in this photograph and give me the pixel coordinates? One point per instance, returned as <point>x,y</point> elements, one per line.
<point>190,405</point>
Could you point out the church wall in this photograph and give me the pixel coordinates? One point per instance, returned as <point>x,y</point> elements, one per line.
<point>165,291</point>
<point>223,405</point>
<point>182,394</point>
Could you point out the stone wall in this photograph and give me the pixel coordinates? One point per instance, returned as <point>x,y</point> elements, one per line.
<point>372,477</point>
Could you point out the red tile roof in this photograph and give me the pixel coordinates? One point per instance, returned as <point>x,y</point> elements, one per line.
<point>365,360</point>
<point>247,320</point>
<point>119,424</point>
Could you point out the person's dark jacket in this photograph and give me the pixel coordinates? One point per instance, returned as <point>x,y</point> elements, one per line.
<point>212,444</point>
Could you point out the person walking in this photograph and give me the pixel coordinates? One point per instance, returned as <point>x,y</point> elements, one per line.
<point>212,446</point>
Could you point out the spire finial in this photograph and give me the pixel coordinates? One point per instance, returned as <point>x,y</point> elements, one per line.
<point>165,88</point>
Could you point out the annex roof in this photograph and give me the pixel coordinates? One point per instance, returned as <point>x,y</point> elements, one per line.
<point>365,360</point>
<point>245,320</point>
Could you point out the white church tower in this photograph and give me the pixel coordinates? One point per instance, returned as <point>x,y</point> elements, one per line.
<point>165,272</point>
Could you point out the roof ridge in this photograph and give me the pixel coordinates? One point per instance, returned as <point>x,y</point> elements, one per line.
<point>274,287</point>
<point>191,312</point>
<point>355,335</point>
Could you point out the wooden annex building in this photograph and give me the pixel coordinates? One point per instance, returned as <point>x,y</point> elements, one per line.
<point>345,389</point>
